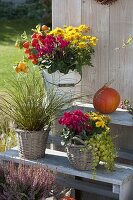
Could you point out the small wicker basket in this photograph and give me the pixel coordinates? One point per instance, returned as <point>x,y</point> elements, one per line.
<point>80,156</point>
<point>32,144</point>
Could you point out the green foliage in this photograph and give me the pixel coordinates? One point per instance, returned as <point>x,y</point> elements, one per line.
<point>7,135</point>
<point>92,130</point>
<point>6,9</point>
<point>71,59</point>
<point>128,106</point>
<point>103,149</point>
<point>32,9</point>
<point>27,103</point>
<point>59,49</point>
<point>9,31</point>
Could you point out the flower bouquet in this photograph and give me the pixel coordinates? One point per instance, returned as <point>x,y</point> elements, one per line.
<point>60,49</point>
<point>60,55</point>
<point>87,139</point>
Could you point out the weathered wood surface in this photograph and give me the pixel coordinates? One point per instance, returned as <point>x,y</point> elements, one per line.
<point>58,161</point>
<point>126,154</point>
<point>66,12</point>
<point>121,179</point>
<point>85,186</point>
<point>111,24</point>
<point>119,117</point>
<point>97,17</point>
<point>121,61</point>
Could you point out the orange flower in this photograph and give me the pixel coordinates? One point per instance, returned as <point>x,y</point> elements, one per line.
<point>44,28</point>
<point>21,67</point>
<point>16,44</point>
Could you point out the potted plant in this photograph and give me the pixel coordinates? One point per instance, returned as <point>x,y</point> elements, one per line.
<point>87,139</point>
<point>60,53</point>
<point>32,112</point>
<point>24,182</point>
<point>33,182</point>
<point>126,105</point>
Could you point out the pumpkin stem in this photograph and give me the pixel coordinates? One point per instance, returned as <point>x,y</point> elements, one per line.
<point>108,83</point>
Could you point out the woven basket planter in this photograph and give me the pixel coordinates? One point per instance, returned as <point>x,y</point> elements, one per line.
<point>32,144</point>
<point>79,156</point>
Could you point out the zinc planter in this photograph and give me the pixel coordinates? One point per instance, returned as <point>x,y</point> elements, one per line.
<point>62,84</point>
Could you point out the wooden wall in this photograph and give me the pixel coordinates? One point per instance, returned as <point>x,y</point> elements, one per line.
<point>111,24</point>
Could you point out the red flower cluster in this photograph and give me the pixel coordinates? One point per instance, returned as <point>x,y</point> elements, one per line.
<point>43,45</point>
<point>76,121</point>
<point>61,42</point>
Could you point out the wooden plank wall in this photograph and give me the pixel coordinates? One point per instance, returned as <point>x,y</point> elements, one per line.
<point>111,24</point>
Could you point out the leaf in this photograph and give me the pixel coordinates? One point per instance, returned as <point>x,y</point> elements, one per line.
<point>130,40</point>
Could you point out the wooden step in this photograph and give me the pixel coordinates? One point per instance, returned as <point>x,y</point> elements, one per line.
<point>121,179</point>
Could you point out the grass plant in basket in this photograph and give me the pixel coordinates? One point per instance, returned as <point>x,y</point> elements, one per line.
<point>27,106</point>
<point>87,139</point>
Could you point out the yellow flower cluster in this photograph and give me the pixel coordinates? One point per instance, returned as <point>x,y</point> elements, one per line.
<point>100,120</point>
<point>77,36</point>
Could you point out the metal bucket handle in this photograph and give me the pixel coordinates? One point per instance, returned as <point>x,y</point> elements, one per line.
<point>79,140</point>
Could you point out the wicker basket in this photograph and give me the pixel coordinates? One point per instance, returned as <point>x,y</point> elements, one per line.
<point>32,144</point>
<point>79,156</point>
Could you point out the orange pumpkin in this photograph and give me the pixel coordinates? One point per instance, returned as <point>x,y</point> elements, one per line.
<point>106,100</point>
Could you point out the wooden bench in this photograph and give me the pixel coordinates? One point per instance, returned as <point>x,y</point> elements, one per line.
<point>119,117</point>
<point>120,181</point>
<point>117,184</point>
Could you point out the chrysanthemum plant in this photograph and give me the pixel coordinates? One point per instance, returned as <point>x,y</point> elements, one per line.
<point>61,49</point>
<point>93,129</point>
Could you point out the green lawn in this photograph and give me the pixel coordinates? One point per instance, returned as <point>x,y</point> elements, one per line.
<point>9,54</point>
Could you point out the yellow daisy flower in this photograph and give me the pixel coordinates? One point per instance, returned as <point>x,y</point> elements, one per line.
<point>100,124</point>
<point>93,114</point>
<point>81,45</point>
<point>57,31</point>
<point>88,37</point>
<point>91,43</point>
<point>84,28</point>
<point>94,39</point>
<point>69,28</point>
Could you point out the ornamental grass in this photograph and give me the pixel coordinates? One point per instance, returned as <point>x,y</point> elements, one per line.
<point>27,103</point>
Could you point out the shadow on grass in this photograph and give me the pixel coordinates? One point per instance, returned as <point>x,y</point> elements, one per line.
<point>10,30</point>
